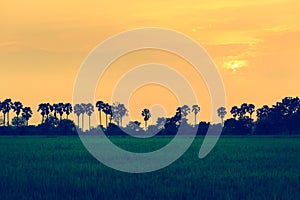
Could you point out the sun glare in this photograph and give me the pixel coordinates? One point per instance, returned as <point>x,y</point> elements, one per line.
<point>234,65</point>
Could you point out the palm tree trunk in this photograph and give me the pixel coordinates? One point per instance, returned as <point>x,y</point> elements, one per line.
<point>89,122</point>
<point>67,116</point>
<point>121,121</point>
<point>8,118</point>
<point>145,125</point>
<point>195,119</point>
<point>100,118</point>
<point>4,118</point>
<point>106,120</point>
<point>78,121</point>
<point>17,120</point>
<point>82,122</point>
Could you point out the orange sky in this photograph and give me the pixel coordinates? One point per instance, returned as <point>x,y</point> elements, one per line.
<point>255,45</point>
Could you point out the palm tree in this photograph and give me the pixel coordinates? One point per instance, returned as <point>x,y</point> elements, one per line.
<point>78,110</point>
<point>55,109</point>
<point>185,110</point>
<point>26,114</point>
<point>68,109</point>
<point>146,114</point>
<point>107,109</point>
<point>119,111</point>
<point>83,105</point>
<point>250,109</point>
<point>45,109</point>
<point>221,113</point>
<point>17,107</point>
<point>89,109</point>
<point>234,111</point>
<point>60,110</point>
<point>262,113</point>
<point>6,107</point>
<point>100,105</point>
<point>195,110</point>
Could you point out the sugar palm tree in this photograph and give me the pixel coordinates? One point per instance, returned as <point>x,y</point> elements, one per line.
<point>68,109</point>
<point>83,105</point>
<point>221,113</point>
<point>146,114</point>
<point>107,109</point>
<point>6,107</point>
<point>119,111</point>
<point>234,111</point>
<point>26,114</point>
<point>250,109</point>
<point>89,109</point>
<point>17,107</point>
<point>60,110</point>
<point>78,110</point>
<point>55,109</point>
<point>45,109</point>
<point>100,105</point>
<point>195,110</point>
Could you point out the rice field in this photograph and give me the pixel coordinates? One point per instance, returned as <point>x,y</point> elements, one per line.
<point>37,167</point>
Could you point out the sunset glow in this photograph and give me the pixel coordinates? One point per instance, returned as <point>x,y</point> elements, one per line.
<point>255,45</point>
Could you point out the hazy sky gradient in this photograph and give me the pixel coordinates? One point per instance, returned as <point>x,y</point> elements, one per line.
<point>255,44</point>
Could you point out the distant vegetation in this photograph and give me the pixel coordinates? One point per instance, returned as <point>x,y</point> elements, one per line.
<point>280,118</point>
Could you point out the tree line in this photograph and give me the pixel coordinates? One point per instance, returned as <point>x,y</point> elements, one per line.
<point>280,118</point>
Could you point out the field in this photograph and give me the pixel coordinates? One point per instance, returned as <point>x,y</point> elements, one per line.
<point>237,168</point>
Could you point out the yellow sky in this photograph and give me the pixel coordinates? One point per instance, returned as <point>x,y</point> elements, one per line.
<point>255,45</point>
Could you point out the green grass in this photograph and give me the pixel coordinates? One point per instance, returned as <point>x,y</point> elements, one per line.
<point>237,168</point>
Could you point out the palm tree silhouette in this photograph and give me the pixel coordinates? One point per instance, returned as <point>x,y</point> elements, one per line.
<point>146,114</point>
<point>100,105</point>
<point>83,106</point>
<point>119,111</point>
<point>262,113</point>
<point>45,109</point>
<point>107,109</point>
<point>55,109</point>
<point>89,109</point>
<point>6,107</point>
<point>68,109</point>
<point>250,109</point>
<point>234,111</point>
<point>60,110</point>
<point>195,110</point>
<point>17,107</point>
<point>185,110</point>
<point>78,110</point>
<point>221,113</point>
<point>26,114</point>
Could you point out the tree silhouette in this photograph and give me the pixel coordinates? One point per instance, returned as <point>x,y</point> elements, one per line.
<point>185,110</point>
<point>60,110</point>
<point>107,109</point>
<point>45,109</point>
<point>78,110</point>
<point>146,114</point>
<point>250,109</point>
<point>83,106</point>
<point>6,106</point>
<point>221,113</point>
<point>26,114</point>
<point>263,113</point>
<point>234,111</point>
<point>195,110</point>
<point>18,121</point>
<point>119,111</point>
<point>89,109</point>
<point>68,109</point>
<point>100,105</point>
<point>17,108</point>
<point>55,109</point>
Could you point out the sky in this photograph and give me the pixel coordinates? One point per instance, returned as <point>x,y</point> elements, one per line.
<point>254,44</point>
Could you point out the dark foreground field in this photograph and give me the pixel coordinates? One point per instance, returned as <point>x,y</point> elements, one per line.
<point>237,168</point>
